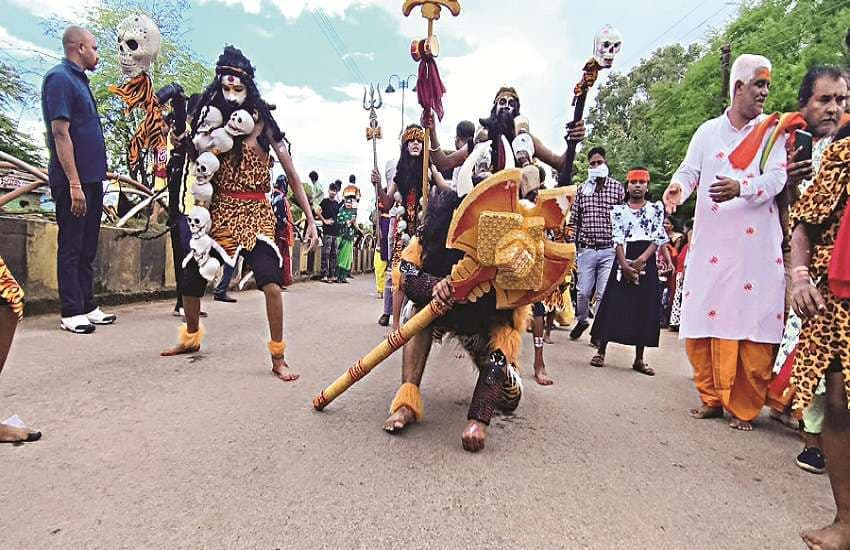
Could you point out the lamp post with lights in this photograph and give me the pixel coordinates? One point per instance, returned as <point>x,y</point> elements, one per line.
<point>409,82</point>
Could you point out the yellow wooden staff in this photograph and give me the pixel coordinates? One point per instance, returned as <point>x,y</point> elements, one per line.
<point>506,251</point>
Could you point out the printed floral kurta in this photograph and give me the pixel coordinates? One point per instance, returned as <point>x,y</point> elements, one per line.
<point>734,286</point>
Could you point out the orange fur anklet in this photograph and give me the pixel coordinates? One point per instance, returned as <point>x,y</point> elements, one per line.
<point>277,349</point>
<point>191,340</point>
<point>408,395</point>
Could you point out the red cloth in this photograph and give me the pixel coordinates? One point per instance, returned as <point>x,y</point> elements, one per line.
<point>245,195</point>
<point>839,265</point>
<point>429,87</point>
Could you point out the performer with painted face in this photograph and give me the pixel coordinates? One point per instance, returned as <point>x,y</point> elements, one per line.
<point>403,195</point>
<point>234,177</point>
<point>505,141</point>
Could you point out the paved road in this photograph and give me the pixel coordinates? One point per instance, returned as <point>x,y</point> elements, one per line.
<point>210,451</point>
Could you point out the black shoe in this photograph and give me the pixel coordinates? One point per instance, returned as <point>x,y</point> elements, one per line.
<point>224,298</point>
<point>384,321</point>
<point>812,460</point>
<point>578,330</point>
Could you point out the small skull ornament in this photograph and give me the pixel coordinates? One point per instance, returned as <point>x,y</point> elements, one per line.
<point>241,123</point>
<point>606,45</point>
<point>211,118</point>
<point>138,44</point>
<point>202,192</point>
<point>199,221</point>
<point>222,141</point>
<point>203,142</point>
<point>206,165</point>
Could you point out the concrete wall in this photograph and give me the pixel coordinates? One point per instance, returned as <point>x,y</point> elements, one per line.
<point>126,269</point>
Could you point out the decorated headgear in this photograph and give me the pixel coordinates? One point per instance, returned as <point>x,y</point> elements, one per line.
<point>638,174</point>
<point>413,133</point>
<point>351,192</point>
<point>233,62</point>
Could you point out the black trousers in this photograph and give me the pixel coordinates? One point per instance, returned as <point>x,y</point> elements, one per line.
<point>77,241</point>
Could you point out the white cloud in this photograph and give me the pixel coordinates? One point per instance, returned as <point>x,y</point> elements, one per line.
<point>262,33</point>
<point>66,9</point>
<point>250,6</point>
<point>362,55</point>
<point>24,49</point>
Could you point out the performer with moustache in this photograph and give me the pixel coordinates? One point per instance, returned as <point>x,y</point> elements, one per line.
<point>242,217</point>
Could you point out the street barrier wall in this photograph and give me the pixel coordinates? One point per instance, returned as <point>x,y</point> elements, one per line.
<point>127,269</point>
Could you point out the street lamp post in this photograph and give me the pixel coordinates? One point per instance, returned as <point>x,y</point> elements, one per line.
<point>409,82</point>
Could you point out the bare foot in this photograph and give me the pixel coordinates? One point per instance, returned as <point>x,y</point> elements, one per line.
<point>399,419</point>
<point>282,371</point>
<point>542,377</point>
<point>834,537</point>
<point>10,434</point>
<point>178,350</point>
<point>738,424</point>
<point>474,436</point>
<point>706,412</point>
<point>547,339</point>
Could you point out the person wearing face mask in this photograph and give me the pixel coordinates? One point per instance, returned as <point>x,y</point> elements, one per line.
<point>590,226</point>
<point>733,303</point>
<point>242,219</point>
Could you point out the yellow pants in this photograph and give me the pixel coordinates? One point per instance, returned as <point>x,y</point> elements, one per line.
<point>380,272</point>
<point>733,374</point>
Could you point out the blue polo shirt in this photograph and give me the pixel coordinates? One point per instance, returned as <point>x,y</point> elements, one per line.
<point>65,95</point>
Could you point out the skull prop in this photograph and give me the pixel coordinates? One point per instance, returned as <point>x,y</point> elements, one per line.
<point>206,165</point>
<point>138,44</point>
<point>241,123</point>
<point>199,221</point>
<point>211,119</point>
<point>202,192</point>
<point>606,45</point>
<point>221,141</point>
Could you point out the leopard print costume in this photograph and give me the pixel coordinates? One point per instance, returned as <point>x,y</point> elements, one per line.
<point>237,221</point>
<point>10,290</point>
<point>827,337</point>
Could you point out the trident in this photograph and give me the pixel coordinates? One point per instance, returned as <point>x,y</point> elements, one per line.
<point>373,134</point>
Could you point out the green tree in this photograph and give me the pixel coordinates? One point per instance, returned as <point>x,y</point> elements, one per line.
<point>653,124</point>
<point>15,91</point>
<point>177,62</point>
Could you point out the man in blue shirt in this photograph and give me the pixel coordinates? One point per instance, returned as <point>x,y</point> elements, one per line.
<point>76,172</point>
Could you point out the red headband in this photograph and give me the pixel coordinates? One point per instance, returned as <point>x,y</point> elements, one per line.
<point>638,175</point>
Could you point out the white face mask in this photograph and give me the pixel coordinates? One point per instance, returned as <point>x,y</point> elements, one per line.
<point>600,171</point>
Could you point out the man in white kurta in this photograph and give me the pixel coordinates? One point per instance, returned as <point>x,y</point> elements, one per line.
<point>734,289</point>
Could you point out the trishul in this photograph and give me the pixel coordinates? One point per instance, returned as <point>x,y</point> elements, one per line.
<point>505,251</point>
<point>428,48</point>
<point>373,134</point>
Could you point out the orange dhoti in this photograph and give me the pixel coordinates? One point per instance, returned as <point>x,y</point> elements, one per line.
<point>733,374</point>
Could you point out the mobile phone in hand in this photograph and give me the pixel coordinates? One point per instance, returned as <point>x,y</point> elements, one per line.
<point>803,139</point>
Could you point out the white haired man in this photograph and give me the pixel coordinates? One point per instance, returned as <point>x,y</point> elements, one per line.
<point>734,289</point>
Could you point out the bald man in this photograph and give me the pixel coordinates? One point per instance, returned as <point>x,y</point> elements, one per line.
<point>76,172</point>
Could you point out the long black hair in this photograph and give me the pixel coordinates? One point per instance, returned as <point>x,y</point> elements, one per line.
<point>408,173</point>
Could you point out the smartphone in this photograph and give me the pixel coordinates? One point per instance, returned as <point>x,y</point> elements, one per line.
<point>804,140</point>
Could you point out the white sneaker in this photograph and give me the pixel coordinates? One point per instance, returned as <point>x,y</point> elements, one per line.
<point>98,317</point>
<point>78,324</point>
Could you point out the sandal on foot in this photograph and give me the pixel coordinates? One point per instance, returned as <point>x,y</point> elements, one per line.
<point>598,360</point>
<point>643,368</point>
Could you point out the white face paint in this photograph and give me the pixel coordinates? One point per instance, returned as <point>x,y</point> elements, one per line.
<point>414,148</point>
<point>233,89</point>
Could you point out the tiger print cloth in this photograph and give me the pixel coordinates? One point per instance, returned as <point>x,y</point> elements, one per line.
<point>151,133</point>
<point>238,221</point>
<point>11,291</point>
<point>827,337</point>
